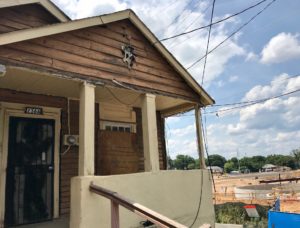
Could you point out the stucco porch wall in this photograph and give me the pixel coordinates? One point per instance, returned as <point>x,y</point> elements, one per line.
<point>174,194</point>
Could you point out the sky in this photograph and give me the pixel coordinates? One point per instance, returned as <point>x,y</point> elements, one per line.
<point>260,61</point>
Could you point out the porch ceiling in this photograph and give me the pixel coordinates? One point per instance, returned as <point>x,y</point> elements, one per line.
<point>30,81</point>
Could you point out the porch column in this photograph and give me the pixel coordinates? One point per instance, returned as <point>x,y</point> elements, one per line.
<point>87,130</point>
<point>150,133</point>
<point>200,145</point>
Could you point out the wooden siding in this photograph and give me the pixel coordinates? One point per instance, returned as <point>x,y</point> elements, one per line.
<point>24,17</point>
<point>117,153</point>
<point>69,161</point>
<point>161,141</point>
<point>96,52</point>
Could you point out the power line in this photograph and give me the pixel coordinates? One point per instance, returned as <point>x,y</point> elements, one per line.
<point>255,102</point>
<point>196,5</point>
<point>214,23</point>
<point>234,95</point>
<point>208,39</point>
<point>247,103</point>
<point>232,34</point>
<point>177,17</point>
<point>174,43</point>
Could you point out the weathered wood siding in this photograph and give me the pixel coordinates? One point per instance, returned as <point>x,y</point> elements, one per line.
<point>96,52</point>
<point>24,17</point>
<point>161,141</point>
<point>117,153</point>
<point>69,160</point>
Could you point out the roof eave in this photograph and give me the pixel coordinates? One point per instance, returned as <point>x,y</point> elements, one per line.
<point>32,33</point>
<point>47,5</point>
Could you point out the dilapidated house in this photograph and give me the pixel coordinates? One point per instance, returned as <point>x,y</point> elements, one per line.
<point>84,101</point>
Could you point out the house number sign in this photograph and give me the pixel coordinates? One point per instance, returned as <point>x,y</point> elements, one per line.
<point>34,110</point>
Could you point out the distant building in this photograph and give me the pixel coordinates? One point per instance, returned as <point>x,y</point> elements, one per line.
<point>215,169</point>
<point>269,168</point>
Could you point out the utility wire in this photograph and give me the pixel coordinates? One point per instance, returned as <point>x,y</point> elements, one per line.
<point>184,18</point>
<point>250,103</point>
<point>208,39</point>
<point>232,34</point>
<point>174,43</point>
<point>204,130</point>
<point>214,23</point>
<point>255,102</point>
<point>177,17</point>
<point>234,95</point>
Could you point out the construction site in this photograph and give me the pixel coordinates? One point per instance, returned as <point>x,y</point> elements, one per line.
<point>260,188</point>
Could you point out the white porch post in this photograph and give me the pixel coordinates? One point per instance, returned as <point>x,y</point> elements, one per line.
<point>150,133</point>
<point>199,137</point>
<point>87,130</point>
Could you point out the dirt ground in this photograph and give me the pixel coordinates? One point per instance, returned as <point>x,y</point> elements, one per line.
<point>225,189</point>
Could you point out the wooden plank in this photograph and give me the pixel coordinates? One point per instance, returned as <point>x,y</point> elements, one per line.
<point>5,29</point>
<point>10,53</point>
<point>113,47</point>
<point>69,53</point>
<point>97,55</point>
<point>12,24</point>
<point>107,46</point>
<point>20,19</point>
<point>37,11</point>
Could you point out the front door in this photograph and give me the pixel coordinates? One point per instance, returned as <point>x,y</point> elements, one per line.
<point>29,180</point>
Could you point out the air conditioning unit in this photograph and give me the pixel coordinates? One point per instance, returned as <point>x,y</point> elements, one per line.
<point>71,140</point>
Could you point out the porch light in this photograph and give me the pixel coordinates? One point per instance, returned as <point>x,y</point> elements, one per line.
<point>2,70</point>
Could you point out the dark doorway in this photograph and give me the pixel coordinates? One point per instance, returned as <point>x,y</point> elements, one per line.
<point>30,170</point>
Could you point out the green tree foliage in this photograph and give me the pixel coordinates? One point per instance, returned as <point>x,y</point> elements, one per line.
<point>254,164</point>
<point>216,160</point>
<point>296,155</point>
<point>184,162</point>
<point>257,162</point>
<point>246,162</point>
<point>229,166</point>
<point>281,160</point>
<point>235,162</point>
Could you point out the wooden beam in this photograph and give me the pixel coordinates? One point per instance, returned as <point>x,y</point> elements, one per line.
<point>87,130</point>
<point>199,137</point>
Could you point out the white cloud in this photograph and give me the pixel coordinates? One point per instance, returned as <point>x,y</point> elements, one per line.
<point>264,128</point>
<point>87,8</point>
<point>233,78</point>
<point>182,141</point>
<point>281,48</point>
<point>251,56</point>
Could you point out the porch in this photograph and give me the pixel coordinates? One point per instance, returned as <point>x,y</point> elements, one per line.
<point>91,109</point>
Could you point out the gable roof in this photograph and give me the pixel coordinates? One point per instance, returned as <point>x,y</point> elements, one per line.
<point>32,33</point>
<point>46,4</point>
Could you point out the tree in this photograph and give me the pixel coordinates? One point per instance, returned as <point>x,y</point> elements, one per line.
<point>216,160</point>
<point>281,160</point>
<point>296,155</point>
<point>170,163</point>
<point>246,163</point>
<point>184,162</point>
<point>229,166</point>
<point>257,162</point>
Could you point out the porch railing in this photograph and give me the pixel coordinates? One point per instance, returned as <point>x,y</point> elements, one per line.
<point>146,213</point>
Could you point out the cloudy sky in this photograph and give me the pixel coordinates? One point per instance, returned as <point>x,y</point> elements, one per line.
<point>260,61</point>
